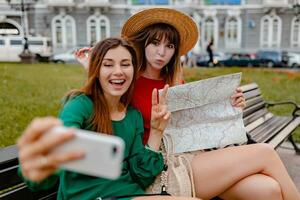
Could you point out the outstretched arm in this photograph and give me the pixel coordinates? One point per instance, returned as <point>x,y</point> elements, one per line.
<point>159,118</point>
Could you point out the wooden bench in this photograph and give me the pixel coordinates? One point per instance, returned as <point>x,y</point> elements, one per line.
<point>11,185</point>
<point>261,125</point>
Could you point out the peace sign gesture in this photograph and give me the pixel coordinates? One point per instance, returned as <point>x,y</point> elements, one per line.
<point>159,117</point>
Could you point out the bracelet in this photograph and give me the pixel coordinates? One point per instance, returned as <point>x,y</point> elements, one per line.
<point>160,130</point>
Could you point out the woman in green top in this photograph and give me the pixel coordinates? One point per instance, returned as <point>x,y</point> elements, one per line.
<point>102,105</point>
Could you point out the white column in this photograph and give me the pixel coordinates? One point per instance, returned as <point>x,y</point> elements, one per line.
<point>197,19</point>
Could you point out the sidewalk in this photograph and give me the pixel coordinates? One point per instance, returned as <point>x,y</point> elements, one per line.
<point>291,161</point>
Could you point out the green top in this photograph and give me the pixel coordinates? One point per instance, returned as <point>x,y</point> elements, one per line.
<point>140,165</point>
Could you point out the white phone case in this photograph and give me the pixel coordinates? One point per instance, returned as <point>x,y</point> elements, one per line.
<point>103,153</point>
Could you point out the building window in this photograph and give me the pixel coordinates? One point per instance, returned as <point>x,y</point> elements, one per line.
<point>270,31</point>
<point>10,27</point>
<point>295,37</point>
<point>93,32</point>
<point>103,29</point>
<point>63,31</point>
<point>150,2</point>
<point>58,32</point>
<point>98,28</point>
<point>233,32</point>
<point>210,31</point>
<point>69,32</point>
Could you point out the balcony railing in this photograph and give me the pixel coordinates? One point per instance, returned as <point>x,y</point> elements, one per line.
<point>275,3</point>
<point>96,3</point>
<point>59,3</point>
<point>222,2</point>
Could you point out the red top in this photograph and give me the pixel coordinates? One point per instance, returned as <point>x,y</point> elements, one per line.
<point>142,100</point>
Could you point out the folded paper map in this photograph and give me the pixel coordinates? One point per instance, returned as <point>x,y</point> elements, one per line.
<point>202,115</point>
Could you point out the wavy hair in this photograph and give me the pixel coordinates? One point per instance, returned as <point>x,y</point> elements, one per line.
<point>101,120</point>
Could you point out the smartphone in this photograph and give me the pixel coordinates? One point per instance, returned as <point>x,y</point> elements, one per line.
<point>103,153</point>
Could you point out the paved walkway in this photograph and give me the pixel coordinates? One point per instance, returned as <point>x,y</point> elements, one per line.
<point>291,161</point>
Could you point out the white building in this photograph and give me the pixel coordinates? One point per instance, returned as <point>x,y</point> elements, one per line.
<point>235,25</point>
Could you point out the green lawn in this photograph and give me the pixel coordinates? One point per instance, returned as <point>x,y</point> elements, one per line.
<point>28,91</point>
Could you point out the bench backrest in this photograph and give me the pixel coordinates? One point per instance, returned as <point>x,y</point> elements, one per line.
<point>255,104</point>
<point>262,125</point>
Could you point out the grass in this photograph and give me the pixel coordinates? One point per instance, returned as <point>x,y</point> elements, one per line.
<point>28,91</point>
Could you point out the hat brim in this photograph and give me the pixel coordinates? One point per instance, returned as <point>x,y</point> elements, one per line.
<point>184,24</point>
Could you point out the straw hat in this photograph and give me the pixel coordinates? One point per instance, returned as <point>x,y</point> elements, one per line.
<point>184,24</point>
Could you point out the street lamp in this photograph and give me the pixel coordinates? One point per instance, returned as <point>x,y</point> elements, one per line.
<point>296,8</point>
<point>26,56</point>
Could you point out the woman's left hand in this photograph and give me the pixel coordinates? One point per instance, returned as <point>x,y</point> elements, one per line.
<point>238,99</point>
<point>82,56</point>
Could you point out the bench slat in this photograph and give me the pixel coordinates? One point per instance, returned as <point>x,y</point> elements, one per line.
<point>23,192</point>
<point>254,116</point>
<point>279,138</point>
<point>252,94</point>
<point>253,101</point>
<point>274,130</point>
<point>265,126</point>
<point>248,87</point>
<point>9,157</point>
<point>258,122</point>
<point>253,108</point>
<point>9,177</point>
<point>268,129</point>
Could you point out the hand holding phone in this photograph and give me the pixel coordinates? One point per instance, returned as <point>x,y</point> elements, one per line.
<point>103,153</point>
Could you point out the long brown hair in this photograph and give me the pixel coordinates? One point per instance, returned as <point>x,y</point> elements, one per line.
<point>171,72</point>
<point>101,120</point>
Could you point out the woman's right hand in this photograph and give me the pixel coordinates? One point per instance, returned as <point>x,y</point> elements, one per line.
<point>159,117</point>
<point>35,157</point>
<point>82,56</point>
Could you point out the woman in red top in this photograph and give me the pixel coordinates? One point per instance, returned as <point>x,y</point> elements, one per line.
<point>255,171</point>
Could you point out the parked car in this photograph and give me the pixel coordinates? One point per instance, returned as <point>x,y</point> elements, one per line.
<point>294,59</point>
<point>202,60</point>
<point>67,57</point>
<point>241,60</point>
<point>272,58</point>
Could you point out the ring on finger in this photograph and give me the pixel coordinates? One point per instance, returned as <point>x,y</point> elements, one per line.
<point>43,160</point>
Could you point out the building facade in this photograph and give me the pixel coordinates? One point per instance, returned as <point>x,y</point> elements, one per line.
<point>235,25</point>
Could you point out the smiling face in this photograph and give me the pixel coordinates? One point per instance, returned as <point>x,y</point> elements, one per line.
<point>159,53</point>
<point>116,72</point>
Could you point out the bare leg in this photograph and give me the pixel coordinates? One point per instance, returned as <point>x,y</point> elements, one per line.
<point>217,171</point>
<point>258,187</point>
<point>164,198</point>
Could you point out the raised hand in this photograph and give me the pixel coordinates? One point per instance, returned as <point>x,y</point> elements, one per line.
<point>238,99</point>
<point>82,57</point>
<point>35,157</point>
<point>159,117</point>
